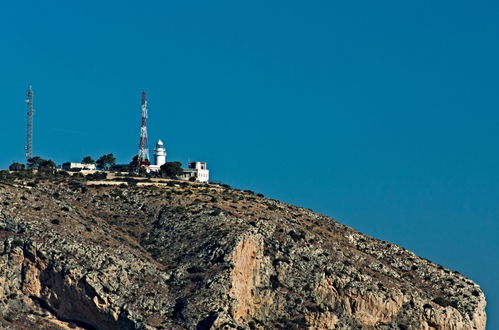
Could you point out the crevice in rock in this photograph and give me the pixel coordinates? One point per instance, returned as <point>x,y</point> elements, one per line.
<point>178,309</point>
<point>207,322</point>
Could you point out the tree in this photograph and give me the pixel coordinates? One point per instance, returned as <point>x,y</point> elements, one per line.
<point>106,162</point>
<point>38,163</point>
<point>88,160</point>
<point>171,170</point>
<point>136,167</point>
<point>34,162</point>
<point>134,164</point>
<point>47,164</point>
<point>16,167</point>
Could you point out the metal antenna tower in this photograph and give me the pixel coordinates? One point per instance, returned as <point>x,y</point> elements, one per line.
<point>31,111</point>
<point>143,149</point>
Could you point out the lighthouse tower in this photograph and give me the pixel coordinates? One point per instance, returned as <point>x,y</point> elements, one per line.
<point>159,154</point>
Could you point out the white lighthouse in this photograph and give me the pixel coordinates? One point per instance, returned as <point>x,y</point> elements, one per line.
<point>159,154</point>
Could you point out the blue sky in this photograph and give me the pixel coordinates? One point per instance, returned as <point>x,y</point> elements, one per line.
<point>381,114</point>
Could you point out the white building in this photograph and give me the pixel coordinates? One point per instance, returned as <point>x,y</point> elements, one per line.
<point>197,171</point>
<point>78,166</point>
<point>159,156</point>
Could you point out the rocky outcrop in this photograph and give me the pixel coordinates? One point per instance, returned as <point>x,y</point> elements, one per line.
<point>203,256</point>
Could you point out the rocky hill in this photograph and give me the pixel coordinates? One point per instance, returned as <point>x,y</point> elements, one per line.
<point>192,256</point>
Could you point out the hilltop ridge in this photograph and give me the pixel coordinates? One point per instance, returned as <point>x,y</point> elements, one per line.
<point>201,256</point>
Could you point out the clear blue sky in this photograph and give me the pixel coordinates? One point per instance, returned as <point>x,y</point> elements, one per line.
<point>381,114</point>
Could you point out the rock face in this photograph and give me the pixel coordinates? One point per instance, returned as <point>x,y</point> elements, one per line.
<point>204,256</point>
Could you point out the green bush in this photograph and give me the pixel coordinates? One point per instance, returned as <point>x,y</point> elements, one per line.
<point>16,167</point>
<point>97,176</point>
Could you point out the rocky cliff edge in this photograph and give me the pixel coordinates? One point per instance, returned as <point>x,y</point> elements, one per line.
<point>191,256</point>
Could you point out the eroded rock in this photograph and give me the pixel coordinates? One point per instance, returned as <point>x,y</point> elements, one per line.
<point>202,256</point>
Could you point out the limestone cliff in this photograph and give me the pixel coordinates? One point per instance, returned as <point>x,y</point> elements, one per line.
<point>191,256</point>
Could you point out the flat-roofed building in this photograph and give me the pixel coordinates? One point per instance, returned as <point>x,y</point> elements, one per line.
<point>196,171</point>
<point>78,166</point>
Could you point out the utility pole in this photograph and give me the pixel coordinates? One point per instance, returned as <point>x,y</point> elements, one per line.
<point>29,134</point>
<point>143,155</point>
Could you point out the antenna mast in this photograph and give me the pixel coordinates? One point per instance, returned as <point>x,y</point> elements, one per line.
<point>143,149</point>
<point>29,135</point>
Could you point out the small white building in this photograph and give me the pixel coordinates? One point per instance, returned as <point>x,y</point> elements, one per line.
<point>197,171</point>
<point>78,166</point>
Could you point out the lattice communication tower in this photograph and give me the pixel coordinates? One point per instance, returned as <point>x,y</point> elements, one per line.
<point>143,149</point>
<point>30,112</point>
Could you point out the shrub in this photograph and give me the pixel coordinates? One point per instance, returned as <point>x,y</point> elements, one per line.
<point>179,209</point>
<point>216,212</point>
<point>97,176</point>
<point>16,167</point>
<point>444,302</point>
<point>195,269</point>
<point>171,170</point>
